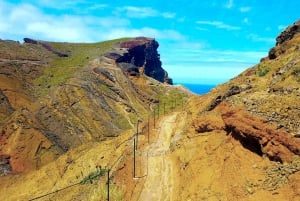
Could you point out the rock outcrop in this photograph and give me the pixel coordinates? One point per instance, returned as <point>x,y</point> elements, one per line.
<point>46,46</point>
<point>140,55</point>
<point>284,37</point>
<point>258,136</point>
<point>288,33</point>
<point>5,106</point>
<point>5,167</point>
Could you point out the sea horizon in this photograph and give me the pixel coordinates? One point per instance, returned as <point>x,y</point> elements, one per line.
<point>199,89</point>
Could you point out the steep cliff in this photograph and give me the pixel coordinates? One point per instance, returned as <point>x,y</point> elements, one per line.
<point>140,55</point>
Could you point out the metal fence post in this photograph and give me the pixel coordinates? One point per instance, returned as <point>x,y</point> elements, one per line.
<point>137,133</point>
<point>108,184</point>
<point>158,110</point>
<point>148,129</point>
<point>154,117</point>
<point>133,157</point>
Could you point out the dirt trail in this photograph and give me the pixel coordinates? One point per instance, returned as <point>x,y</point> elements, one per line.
<point>159,184</point>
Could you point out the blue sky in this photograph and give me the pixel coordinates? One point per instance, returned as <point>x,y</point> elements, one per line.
<point>201,41</point>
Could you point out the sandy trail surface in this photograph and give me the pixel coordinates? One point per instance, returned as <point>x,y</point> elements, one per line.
<point>159,184</point>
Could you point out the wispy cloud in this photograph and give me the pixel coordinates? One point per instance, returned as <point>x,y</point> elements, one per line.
<point>138,12</point>
<point>229,4</point>
<point>202,29</point>
<point>143,12</point>
<point>245,9</point>
<point>27,20</point>
<point>68,4</point>
<point>212,55</point>
<point>208,65</point>
<point>281,27</point>
<point>257,38</point>
<point>146,31</point>
<point>168,15</point>
<point>219,25</point>
<point>246,21</point>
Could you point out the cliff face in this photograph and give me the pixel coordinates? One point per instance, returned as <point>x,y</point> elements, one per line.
<point>140,55</point>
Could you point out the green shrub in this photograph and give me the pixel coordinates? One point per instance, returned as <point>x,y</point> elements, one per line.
<point>296,73</point>
<point>262,70</point>
<point>94,176</point>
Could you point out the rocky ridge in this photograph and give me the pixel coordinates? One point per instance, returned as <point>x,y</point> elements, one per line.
<point>58,96</point>
<point>267,94</point>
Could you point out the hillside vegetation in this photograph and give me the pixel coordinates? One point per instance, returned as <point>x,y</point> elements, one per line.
<point>72,113</point>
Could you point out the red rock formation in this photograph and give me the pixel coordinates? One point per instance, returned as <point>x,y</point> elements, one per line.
<point>258,135</point>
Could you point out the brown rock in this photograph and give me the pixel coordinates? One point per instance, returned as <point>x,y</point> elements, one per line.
<point>258,136</point>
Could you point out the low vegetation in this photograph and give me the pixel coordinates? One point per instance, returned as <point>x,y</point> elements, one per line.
<point>60,69</point>
<point>262,70</point>
<point>93,176</point>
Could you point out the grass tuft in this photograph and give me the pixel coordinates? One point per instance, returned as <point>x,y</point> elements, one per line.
<point>94,176</point>
<point>262,70</point>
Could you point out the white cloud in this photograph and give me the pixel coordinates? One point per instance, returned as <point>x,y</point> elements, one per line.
<point>67,4</point>
<point>245,9</point>
<point>97,6</point>
<point>203,66</point>
<point>110,22</point>
<point>257,38</point>
<point>203,73</point>
<point>57,31</point>
<point>201,29</point>
<point>246,21</point>
<point>181,19</point>
<point>282,27</point>
<point>268,28</point>
<point>25,13</point>
<point>138,12</point>
<point>146,31</point>
<point>190,55</point>
<point>168,15</point>
<point>26,20</point>
<point>229,4</point>
<point>142,12</point>
<point>219,25</point>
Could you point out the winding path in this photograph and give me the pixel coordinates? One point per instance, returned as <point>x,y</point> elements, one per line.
<point>160,181</point>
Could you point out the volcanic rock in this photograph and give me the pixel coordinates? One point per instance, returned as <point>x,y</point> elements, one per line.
<point>140,52</point>
<point>283,38</point>
<point>5,167</point>
<point>5,106</point>
<point>288,33</point>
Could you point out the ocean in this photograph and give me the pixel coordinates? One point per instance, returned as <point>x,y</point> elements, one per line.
<point>198,88</point>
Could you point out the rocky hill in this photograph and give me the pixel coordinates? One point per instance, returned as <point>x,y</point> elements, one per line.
<point>57,96</point>
<point>70,112</point>
<point>260,107</point>
<point>249,129</point>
